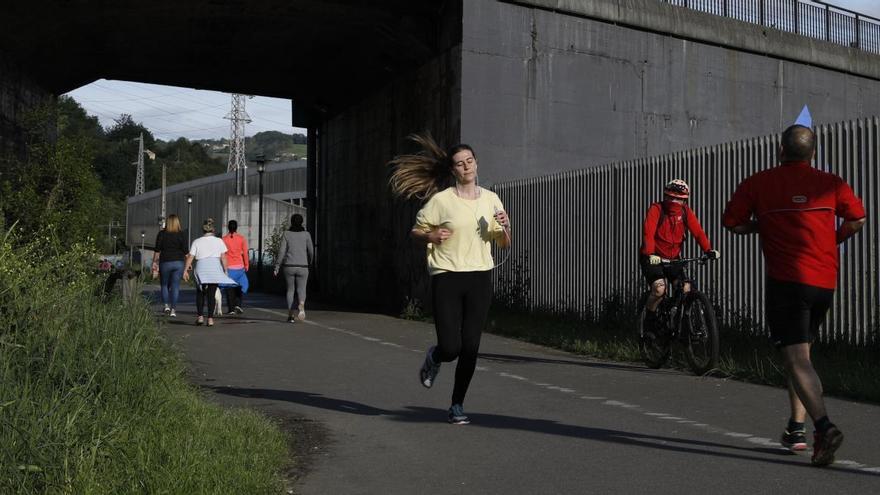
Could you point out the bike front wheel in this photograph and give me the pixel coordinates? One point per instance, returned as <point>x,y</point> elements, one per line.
<point>701,333</point>
<point>653,347</point>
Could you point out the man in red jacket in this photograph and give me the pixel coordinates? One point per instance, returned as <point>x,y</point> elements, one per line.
<point>664,230</point>
<point>793,208</point>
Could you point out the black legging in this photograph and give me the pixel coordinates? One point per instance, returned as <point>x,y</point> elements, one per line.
<point>461,306</point>
<point>202,291</point>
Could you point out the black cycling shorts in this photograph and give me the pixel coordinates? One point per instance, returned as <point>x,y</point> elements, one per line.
<point>795,311</point>
<point>653,273</point>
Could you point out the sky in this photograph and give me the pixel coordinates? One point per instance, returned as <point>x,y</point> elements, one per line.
<point>171,112</point>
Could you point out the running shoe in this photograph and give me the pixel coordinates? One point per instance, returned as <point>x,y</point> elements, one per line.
<point>167,311</point>
<point>825,444</point>
<point>429,370</point>
<point>172,314</point>
<point>231,312</point>
<point>237,310</point>
<point>291,319</point>
<point>200,320</point>
<point>794,441</point>
<point>301,316</point>
<point>457,416</point>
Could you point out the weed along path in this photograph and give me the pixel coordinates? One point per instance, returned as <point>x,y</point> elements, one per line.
<point>543,421</point>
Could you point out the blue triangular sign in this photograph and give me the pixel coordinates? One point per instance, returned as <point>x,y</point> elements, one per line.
<point>805,119</point>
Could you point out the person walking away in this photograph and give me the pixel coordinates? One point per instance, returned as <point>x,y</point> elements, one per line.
<point>458,224</point>
<point>295,254</point>
<point>209,254</point>
<point>237,258</point>
<point>792,207</point>
<point>168,260</point>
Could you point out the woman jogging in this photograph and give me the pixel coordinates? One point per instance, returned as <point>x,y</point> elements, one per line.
<point>171,248</point>
<point>458,224</point>
<point>294,256</point>
<point>209,253</point>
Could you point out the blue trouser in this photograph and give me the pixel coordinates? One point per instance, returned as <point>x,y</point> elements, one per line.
<point>170,273</point>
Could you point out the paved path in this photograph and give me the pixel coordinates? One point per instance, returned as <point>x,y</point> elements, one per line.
<point>543,421</point>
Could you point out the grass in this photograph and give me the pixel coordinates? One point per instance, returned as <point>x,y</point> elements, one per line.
<point>93,400</point>
<point>846,371</point>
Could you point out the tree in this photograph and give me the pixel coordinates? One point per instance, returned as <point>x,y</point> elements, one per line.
<point>55,186</point>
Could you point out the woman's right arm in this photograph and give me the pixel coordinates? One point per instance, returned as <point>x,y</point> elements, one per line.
<point>158,249</point>
<point>435,236</point>
<point>282,252</point>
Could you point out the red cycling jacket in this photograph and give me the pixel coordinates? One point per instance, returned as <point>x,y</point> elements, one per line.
<point>796,206</point>
<point>665,227</point>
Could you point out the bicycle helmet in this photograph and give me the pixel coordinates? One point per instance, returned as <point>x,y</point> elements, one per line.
<point>677,188</point>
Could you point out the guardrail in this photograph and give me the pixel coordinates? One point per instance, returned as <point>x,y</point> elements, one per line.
<point>815,19</point>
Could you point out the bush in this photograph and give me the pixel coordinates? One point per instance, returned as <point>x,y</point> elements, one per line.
<point>93,400</point>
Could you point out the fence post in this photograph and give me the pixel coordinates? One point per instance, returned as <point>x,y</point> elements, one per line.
<point>827,23</point>
<point>762,12</point>
<point>725,8</point>
<point>858,42</point>
<point>796,3</point>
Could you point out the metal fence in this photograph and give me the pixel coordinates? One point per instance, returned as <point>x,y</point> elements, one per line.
<point>815,19</point>
<point>577,233</point>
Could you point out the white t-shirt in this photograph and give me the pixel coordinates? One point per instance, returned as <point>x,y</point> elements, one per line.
<point>208,246</point>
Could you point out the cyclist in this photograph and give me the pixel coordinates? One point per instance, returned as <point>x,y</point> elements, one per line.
<point>793,208</point>
<point>664,229</point>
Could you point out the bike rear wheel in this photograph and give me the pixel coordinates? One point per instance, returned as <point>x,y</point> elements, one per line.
<point>701,333</point>
<point>654,348</point>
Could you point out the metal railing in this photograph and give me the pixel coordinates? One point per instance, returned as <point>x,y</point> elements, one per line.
<point>577,233</point>
<point>815,19</point>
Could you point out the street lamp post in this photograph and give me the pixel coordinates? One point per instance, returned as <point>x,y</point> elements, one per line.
<point>261,167</point>
<point>142,251</point>
<point>189,218</point>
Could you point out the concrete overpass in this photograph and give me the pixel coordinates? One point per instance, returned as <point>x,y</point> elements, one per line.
<point>536,86</point>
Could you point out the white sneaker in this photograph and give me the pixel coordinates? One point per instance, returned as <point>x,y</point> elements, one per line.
<point>428,371</point>
<point>301,316</point>
<point>172,314</point>
<point>167,310</point>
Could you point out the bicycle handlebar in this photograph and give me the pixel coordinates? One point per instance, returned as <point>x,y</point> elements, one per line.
<point>702,259</point>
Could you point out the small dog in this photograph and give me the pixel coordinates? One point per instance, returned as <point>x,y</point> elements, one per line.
<point>218,299</point>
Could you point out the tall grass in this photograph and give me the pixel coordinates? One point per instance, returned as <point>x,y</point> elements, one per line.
<point>746,354</point>
<point>93,400</point>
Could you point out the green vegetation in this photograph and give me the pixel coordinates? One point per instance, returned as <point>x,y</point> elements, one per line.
<point>611,333</point>
<point>92,399</point>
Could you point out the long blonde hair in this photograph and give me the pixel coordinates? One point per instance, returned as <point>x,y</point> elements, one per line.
<point>422,174</point>
<point>172,223</point>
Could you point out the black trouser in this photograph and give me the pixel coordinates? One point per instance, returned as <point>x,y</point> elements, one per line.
<point>206,291</point>
<point>233,297</point>
<point>461,306</point>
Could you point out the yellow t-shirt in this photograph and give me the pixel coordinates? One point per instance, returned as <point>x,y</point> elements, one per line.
<point>473,226</point>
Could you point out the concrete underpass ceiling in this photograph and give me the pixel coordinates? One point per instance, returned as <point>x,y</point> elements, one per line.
<point>323,54</point>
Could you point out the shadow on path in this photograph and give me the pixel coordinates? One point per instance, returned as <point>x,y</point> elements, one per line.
<point>534,425</point>
<point>509,358</point>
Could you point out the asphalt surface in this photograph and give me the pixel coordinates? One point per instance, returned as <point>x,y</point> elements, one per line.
<point>543,421</point>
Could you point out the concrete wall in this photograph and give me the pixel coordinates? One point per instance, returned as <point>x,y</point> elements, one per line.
<point>245,210</point>
<point>18,95</point>
<point>364,254</point>
<point>544,91</point>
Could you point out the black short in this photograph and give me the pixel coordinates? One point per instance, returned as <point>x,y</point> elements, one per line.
<point>795,311</point>
<point>656,272</point>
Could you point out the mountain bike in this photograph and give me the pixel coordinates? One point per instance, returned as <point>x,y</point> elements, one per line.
<point>684,317</point>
